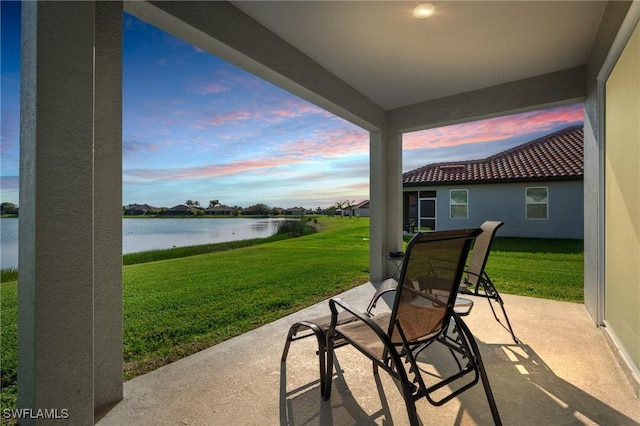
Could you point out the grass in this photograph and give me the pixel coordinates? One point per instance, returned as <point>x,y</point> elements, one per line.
<point>8,274</point>
<point>543,268</point>
<point>8,345</point>
<point>176,306</point>
<point>537,267</point>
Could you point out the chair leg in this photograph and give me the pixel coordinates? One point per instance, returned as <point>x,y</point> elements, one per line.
<point>292,332</point>
<point>491,293</point>
<point>506,317</point>
<point>410,403</point>
<point>329,370</point>
<point>320,337</point>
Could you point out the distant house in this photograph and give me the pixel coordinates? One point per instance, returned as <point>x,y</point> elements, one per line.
<point>295,211</point>
<point>140,209</point>
<point>183,210</point>
<point>220,210</point>
<point>8,208</point>
<point>255,211</point>
<point>536,188</point>
<point>361,209</point>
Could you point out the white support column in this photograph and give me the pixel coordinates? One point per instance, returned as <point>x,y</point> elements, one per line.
<point>65,252</point>
<point>377,202</point>
<point>107,206</point>
<point>386,202</point>
<point>393,165</point>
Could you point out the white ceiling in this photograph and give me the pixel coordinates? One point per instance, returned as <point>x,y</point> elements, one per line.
<point>394,59</point>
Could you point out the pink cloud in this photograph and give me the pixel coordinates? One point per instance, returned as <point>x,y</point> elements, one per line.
<point>212,88</point>
<point>131,147</point>
<point>208,171</point>
<point>494,129</point>
<point>268,113</point>
<point>233,117</point>
<point>329,144</point>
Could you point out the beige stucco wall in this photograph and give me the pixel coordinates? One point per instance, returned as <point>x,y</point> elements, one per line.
<point>622,199</point>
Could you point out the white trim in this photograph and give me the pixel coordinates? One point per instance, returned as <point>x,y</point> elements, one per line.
<point>451,203</point>
<point>526,203</point>
<point>624,358</point>
<point>435,211</point>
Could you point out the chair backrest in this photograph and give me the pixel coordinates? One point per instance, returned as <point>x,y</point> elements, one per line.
<point>429,279</point>
<point>481,250</point>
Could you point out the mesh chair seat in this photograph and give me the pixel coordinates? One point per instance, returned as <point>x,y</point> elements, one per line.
<point>423,312</point>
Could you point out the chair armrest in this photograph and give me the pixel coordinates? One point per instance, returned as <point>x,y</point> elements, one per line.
<point>482,281</point>
<point>467,272</point>
<point>386,286</point>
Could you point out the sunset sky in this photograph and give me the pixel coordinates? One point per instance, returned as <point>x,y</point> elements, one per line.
<point>196,127</point>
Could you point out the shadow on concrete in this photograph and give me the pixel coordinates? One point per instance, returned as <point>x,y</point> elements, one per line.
<point>304,405</point>
<point>526,390</point>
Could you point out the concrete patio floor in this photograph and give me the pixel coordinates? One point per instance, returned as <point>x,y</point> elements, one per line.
<point>562,373</point>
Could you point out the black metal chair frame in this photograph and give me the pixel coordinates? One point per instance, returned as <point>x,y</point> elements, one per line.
<point>453,333</point>
<point>483,282</point>
<point>317,331</point>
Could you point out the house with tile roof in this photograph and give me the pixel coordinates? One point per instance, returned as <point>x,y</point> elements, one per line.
<point>361,209</point>
<point>220,210</point>
<point>295,211</point>
<point>183,210</point>
<point>536,189</point>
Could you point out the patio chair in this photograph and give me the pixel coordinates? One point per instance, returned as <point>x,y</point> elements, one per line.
<point>476,282</point>
<point>474,279</point>
<point>317,327</point>
<point>422,313</point>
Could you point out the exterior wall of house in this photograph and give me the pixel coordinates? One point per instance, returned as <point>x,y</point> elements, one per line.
<point>622,200</point>
<point>612,20</point>
<point>507,202</point>
<point>618,22</point>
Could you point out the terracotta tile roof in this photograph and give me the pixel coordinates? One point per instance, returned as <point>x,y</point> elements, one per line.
<point>558,156</point>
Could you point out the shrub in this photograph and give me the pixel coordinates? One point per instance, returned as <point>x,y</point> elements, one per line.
<point>9,274</point>
<point>295,227</point>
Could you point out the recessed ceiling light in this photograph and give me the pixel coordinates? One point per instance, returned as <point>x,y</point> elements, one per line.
<point>424,10</point>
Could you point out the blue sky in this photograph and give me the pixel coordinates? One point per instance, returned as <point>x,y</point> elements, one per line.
<point>196,127</point>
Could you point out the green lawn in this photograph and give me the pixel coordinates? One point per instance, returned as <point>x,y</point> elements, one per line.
<point>548,269</point>
<point>175,307</point>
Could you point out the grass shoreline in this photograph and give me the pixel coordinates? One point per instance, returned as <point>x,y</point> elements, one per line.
<point>283,232</point>
<point>203,295</point>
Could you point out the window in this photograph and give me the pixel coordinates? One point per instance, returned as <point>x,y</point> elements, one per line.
<point>537,200</point>
<point>458,202</point>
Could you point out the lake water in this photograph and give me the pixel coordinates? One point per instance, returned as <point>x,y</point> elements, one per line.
<point>151,234</point>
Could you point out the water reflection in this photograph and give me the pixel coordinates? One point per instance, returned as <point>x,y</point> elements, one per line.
<point>152,234</point>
